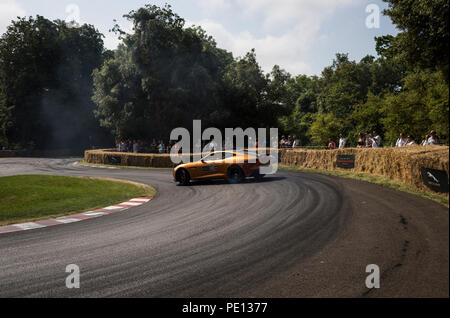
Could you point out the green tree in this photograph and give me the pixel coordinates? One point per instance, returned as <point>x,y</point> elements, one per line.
<point>301,99</point>
<point>345,84</point>
<point>247,96</point>
<point>46,83</point>
<point>325,126</point>
<point>5,117</point>
<point>121,102</point>
<point>421,106</point>
<point>387,71</point>
<point>424,38</point>
<point>163,77</point>
<point>367,117</point>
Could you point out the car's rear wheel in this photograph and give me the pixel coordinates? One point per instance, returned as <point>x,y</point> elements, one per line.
<point>235,175</point>
<point>183,177</point>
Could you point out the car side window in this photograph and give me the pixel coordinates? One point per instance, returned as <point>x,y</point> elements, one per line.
<point>218,155</point>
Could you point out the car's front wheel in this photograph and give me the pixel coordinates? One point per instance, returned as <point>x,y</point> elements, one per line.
<point>183,177</point>
<point>235,175</point>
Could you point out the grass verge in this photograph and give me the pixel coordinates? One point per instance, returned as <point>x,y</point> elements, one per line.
<point>87,164</point>
<point>440,198</point>
<point>34,197</point>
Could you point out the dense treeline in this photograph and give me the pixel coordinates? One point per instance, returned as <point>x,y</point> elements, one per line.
<point>165,75</point>
<point>46,85</point>
<point>54,79</point>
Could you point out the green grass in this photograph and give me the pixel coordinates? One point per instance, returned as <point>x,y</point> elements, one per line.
<point>440,198</point>
<point>33,197</point>
<point>87,164</point>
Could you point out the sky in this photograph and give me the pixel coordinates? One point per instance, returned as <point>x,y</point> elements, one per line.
<point>301,36</point>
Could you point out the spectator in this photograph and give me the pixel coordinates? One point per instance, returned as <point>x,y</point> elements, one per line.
<point>296,142</point>
<point>376,140</point>
<point>135,146</point>
<point>401,141</point>
<point>289,142</point>
<point>123,146</point>
<point>142,146</point>
<point>410,141</point>
<point>342,142</point>
<point>425,141</point>
<point>433,140</point>
<point>283,142</point>
<point>368,140</point>
<point>154,146</point>
<point>161,147</point>
<point>361,141</point>
<point>331,144</point>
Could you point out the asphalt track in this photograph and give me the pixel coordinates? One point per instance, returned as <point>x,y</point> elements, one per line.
<point>290,235</point>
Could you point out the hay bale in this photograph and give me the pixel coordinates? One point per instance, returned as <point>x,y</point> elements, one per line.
<point>103,156</point>
<point>8,153</point>
<point>400,164</point>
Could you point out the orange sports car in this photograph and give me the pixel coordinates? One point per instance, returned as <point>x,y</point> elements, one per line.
<point>233,166</point>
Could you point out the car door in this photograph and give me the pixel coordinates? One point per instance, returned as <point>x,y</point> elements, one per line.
<point>212,166</point>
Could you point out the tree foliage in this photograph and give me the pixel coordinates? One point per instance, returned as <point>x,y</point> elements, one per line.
<point>54,78</point>
<point>420,107</point>
<point>162,77</point>
<point>425,37</point>
<point>166,75</point>
<point>46,84</point>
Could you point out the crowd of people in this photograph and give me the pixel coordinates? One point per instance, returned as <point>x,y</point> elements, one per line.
<point>289,142</point>
<point>374,140</point>
<point>365,140</point>
<point>139,146</point>
<point>161,147</point>
<point>430,140</point>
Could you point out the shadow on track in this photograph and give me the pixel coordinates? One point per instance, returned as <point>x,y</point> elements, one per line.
<point>246,181</point>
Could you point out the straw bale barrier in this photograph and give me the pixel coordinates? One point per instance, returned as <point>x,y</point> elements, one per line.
<point>107,156</point>
<point>399,164</point>
<point>7,153</point>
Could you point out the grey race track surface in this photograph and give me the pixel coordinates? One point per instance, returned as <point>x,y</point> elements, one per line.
<point>291,235</point>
